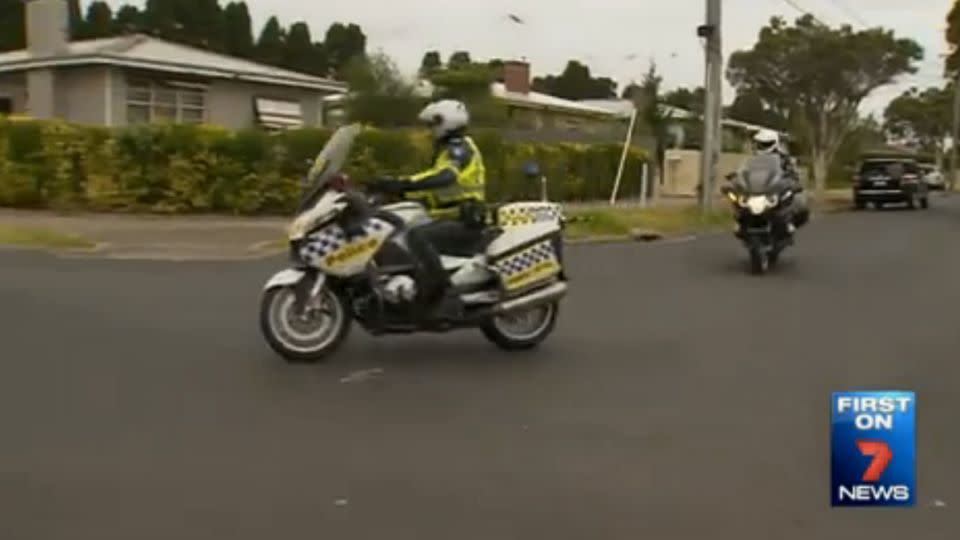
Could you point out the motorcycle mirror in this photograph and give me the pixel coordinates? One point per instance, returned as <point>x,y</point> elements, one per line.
<point>531,170</point>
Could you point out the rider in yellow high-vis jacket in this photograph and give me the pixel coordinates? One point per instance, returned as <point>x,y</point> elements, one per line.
<point>453,191</point>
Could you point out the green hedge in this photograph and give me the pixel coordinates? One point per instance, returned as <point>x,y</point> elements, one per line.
<point>179,168</point>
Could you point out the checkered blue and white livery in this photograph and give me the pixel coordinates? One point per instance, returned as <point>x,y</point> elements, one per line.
<point>527,213</point>
<point>331,238</point>
<point>526,259</point>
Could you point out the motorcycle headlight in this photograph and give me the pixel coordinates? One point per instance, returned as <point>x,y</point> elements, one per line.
<point>773,200</point>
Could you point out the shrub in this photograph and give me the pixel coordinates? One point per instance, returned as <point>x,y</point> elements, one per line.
<point>184,169</point>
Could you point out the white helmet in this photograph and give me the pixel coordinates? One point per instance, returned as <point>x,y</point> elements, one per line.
<point>766,141</point>
<point>445,117</point>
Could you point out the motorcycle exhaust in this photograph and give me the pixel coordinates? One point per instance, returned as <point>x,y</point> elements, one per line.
<point>532,300</point>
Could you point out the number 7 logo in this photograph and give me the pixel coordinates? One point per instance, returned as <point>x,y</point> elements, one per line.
<point>881,458</point>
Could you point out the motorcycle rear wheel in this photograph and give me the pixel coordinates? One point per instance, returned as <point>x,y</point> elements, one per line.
<point>524,330</point>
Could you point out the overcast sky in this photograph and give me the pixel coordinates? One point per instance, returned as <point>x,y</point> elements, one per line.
<point>616,38</point>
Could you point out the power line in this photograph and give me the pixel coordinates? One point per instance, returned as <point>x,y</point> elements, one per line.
<point>796,6</point>
<point>842,5</point>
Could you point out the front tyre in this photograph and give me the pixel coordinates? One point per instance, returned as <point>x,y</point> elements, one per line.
<point>522,330</point>
<point>307,337</point>
<point>759,261</point>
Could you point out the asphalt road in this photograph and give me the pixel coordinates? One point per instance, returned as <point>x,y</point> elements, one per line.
<point>679,398</point>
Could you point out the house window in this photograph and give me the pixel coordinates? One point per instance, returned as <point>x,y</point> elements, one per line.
<point>275,114</point>
<point>150,101</point>
<point>6,106</point>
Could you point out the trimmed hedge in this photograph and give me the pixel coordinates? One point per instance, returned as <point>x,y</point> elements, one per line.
<point>182,168</point>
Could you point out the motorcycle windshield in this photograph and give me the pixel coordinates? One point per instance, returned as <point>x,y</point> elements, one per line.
<point>761,175</point>
<point>329,162</point>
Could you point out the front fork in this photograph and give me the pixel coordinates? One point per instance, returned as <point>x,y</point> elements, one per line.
<point>306,290</point>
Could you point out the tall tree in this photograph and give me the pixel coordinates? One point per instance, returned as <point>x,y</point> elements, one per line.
<point>687,99</point>
<point>99,21</point>
<point>430,63</point>
<point>922,118</point>
<point>655,116</point>
<point>953,38</point>
<point>343,43</point>
<point>75,19</point>
<point>379,93</point>
<point>459,59</point>
<point>575,83</point>
<point>271,44</point>
<point>238,30</point>
<point>12,32</point>
<point>750,107</point>
<point>819,76</point>
<point>129,20</point>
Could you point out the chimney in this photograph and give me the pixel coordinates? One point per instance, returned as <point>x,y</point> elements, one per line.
<point>47,27</point>
<point>516,76</point>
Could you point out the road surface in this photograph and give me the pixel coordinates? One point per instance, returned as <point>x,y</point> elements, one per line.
<point>679,398</point>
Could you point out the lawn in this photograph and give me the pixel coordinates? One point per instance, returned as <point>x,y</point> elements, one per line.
<point>670,221</point>
<point>35,237</point>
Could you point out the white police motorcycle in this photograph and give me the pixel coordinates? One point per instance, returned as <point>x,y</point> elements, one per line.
<point>350,263</point>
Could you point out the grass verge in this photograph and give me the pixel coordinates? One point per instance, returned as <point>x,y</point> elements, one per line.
<point>34,237</point>
<point>622,222</point>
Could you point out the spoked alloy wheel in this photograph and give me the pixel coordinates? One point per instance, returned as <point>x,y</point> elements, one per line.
<point>308,336</point>
<point>523,329</point>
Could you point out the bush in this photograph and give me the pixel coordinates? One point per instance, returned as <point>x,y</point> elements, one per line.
<point>191,169</point>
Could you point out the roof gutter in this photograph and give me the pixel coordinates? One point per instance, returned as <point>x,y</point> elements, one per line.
<point>101,59</point>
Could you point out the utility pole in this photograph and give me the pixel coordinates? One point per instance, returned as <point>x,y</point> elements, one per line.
<point>956,132</point>
<point>713,84</point>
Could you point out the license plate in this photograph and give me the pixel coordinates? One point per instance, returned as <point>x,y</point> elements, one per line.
<point>879,183</point>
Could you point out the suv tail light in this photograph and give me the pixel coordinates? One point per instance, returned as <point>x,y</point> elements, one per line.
<point>910,178</point>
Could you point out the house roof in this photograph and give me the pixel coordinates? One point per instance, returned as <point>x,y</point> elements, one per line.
<point>624,108</point>
<point>146,52</point>
<point>543,101</point>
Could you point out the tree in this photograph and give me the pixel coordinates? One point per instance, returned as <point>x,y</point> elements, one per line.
<point>12,32</point>
<point>686,99</point>
<point>129,20</point>
<point>471,83</point>
<point>379,93</point>
<point>953,39</point>
<point>576,83</point>
<point>923,118</point>
<point>75,19</point>
<point>299,51</point>
<point>818,76</point>
<point>271,44</point>
<point>651,111</point>
<point>343,43</point>
<point>431,62</point>
<point>750,107</point>
<point>238,30</point>
<point>459,59</point>
<point>99,21</point>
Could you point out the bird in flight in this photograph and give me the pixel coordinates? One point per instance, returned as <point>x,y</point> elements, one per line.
<point>514,18</point>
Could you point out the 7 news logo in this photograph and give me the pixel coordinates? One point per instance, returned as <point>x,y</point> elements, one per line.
<point>873,449</point>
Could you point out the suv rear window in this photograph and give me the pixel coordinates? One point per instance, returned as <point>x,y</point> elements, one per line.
<point>890,168</point>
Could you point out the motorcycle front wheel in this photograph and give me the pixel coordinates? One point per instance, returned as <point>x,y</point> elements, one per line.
<point>759,261</point>
<point>310,335</point>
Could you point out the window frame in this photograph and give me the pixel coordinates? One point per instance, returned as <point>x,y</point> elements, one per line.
<point>181,103</point>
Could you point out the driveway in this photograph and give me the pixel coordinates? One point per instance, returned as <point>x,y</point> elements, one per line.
<point>680,398</point>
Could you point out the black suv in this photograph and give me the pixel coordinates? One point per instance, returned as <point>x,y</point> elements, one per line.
<point>890,180</point>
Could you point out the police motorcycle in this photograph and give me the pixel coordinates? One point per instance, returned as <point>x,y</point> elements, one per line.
<point>350,262</point>
<point>760,199</point>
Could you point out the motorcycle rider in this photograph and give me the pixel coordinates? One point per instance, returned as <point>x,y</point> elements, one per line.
<point>767,141</point>
<point>453,190</point>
